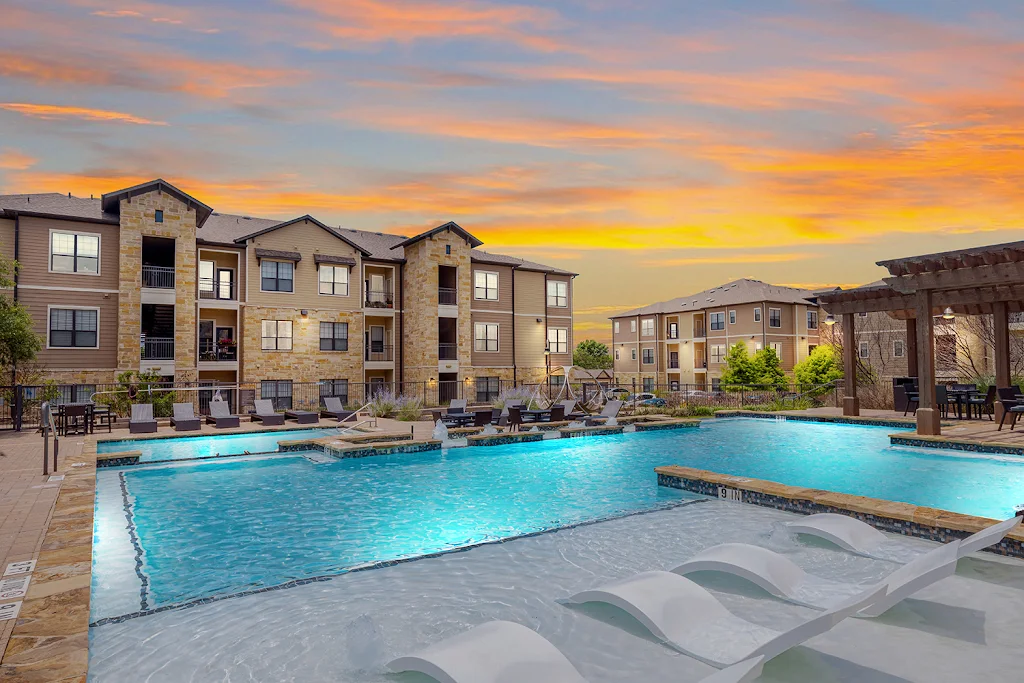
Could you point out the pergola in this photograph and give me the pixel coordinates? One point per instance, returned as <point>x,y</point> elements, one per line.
<point>977,281</point>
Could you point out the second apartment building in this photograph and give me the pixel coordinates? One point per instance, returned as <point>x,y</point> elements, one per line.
<point>684,341</point>
<point>150,278</point>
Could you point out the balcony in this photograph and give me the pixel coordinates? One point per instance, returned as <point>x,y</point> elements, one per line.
<point>673,365</point>
<point>379,353</point>
<point>447,296</point>
<point>157,277</point>
<point>212,352</point>
<point>379,299</point>
<point>447,351</point>
<point>699,331</point>
<point>224,290</point>
<point>158,348</point>
<point>699,364</point>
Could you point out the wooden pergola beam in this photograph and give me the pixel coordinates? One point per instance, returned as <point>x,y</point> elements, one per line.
<point>982,276</point>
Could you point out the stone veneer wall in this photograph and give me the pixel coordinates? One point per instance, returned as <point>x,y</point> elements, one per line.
<point>81,376</point>
<point>179,224</point>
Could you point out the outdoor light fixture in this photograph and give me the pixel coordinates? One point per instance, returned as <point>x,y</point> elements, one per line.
<point>948,313</point>
<point>830,319</point>
<point>304,312</point>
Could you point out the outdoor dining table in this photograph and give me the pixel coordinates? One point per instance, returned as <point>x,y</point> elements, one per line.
<point>90,408</point>
<point>458,419</point>
<point>536,415</point>
<point>961,397</point>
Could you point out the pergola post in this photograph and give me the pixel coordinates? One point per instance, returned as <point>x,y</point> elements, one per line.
<point>1001,344</point>
<point>927,414</point>
<point>911,347</point>
<point>851,405</point>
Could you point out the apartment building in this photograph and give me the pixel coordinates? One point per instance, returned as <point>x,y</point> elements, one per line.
<point>685,340</point>
<point>151,278</point>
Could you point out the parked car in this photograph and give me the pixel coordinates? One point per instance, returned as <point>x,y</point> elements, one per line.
<point>617,394</point>
<point>654,402</point>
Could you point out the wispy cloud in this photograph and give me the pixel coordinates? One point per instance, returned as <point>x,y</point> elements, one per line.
<point>56,111</point>
<point>117,14</point>
<point>15,160</point>
<point>724,259</point>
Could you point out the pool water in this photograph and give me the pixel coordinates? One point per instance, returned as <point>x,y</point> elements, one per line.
<point>189,447</point>
<point>228,526</point>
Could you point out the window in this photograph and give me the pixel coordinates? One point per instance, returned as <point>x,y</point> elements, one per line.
<point>812,320</point>
<point>487,389</point>
<point>334,336</point>
<point>279,391</point>
<point>777,348</point>
<point>558,340</point>
<point>774,317</point>
<point>333,280</point>
<point>718,321</point>
<point>447,250</point>
<point>615,326</point>
<point>74,253</point>
<point>732,317</point>
<point>648,384</point>
<point>206,269</point>
<point>648,356</point>
<point>277,335</point>
<point>647,327</point>
<point>485,286</point>
<point>717,353</point>
<point>558,294</point>
<point>74,328</point>
<point>616,354</point>
<point>556,380</point>
<point>810,348</point>
<point>159,216</point>
<point>632,354</point>
<point>864,352</point>
<point>673,330</point>
<point>486,336</point>
<point>276,276</point>
<point>898,349</point>
<point>757,314</point>
<point>336,388</point>
<point>632,325</point>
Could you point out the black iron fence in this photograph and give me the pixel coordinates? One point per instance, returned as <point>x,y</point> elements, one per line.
<point>447,296</point>
<point>158,348</point>
<point>158,277</point>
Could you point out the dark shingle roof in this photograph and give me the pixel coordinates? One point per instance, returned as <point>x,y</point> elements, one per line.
<point>730,294</point>
<point>55,204</point>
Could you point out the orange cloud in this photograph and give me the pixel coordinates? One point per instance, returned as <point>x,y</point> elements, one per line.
<point>116,14</point>
<point>13,160</point>
<point>56,111</point>
<point>735,258</point>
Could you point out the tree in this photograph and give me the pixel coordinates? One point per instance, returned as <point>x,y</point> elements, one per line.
<point>592,355</point>
<point>18,342</point>
<point>821,367</point>
<point>738,368</point>
<point>767,368</point>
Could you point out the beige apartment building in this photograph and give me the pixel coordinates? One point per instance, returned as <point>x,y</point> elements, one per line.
<point>150,278</point>
<point>684,340</point>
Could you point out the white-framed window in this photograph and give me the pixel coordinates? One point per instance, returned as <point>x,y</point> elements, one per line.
<point>647,327</point>
<point>74,252</point>
<point>758,346</point>
<point>632,354</point>
<point>558,340</point>
<point>558,293</point>
<point>485,286</point>
<point>774,317</point>
<point>615,326</point>
<point>732,317</point>
<point>777,348</point>
<point>333,279</point>
<point>334,336</point>
<point>485,336</point>
<point>277,335</point>
<point>899,349</point>
<point>616,354</point>
<point>277,276</point>
<point>632,325</point>
<point>757,314</point>
<point>74,328</point>
<point>648,357</point>
<point>717,353</point>
<point>718,321</point>
<point>864,350</point>
<point>812,320</point>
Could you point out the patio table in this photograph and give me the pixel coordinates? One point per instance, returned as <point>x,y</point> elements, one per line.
<point>961,396</point>
<point>536,415</point>
<point>61,421</point>
<point>458,419</point>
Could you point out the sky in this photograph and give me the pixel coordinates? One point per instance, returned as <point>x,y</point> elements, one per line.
<point>655,148</point>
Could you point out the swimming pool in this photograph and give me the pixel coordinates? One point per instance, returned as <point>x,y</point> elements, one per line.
<point>216,528</point>
<point>187,447</point>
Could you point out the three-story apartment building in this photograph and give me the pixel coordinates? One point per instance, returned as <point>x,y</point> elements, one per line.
<point>685,340</point>
<point>150,278</point>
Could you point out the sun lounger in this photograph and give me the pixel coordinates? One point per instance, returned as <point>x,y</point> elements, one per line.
<point>503,652</point>
<point>611,409</point>
<point>782,578</point>
<point>689,619</point>
<point>142,421</point>
<point>266,414</point>
<point>184,418</point>
<point>303,417</point>
<point>334,409</point>
<point>220,415</point>
<point>570,410</point>
<point>458,405</point>
<point>859,538</point>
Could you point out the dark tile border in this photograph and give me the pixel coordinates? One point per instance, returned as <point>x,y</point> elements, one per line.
<point>834,419</point>
<point>956,445</point>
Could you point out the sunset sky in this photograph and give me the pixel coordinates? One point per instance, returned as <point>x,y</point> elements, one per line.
<point>656,148</point>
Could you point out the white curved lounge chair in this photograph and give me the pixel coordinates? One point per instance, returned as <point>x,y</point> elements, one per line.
<point>859,538</point>
<point>689,619</point>
<point>782,578</point>
<point>504,652</point>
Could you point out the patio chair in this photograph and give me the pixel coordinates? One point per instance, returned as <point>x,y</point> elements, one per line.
<point>482,418</point>
<point>984,404</point>
<point>942,401</point>
<point>266,414</point>
<point>611,409</point>
<point>457,405</point>
<point>75,419</point>
<point>909,397</point>
<point>220,415</point>
<point>184,418</point>
<point>502,651</point>
<point>142,421</point>
<point>515,418</point>
<point>334,409</point>
<point>691,620</point>
<point>1012,406</point>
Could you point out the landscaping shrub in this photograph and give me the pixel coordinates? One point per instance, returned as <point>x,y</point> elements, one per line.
<point>409,408</point>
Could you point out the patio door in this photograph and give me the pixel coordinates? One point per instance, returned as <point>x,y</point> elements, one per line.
<point>225,351</point>
<point>207,344</point>
<point>225,283</point>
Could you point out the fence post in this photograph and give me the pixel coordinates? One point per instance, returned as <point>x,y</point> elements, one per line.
<point>19,406</point>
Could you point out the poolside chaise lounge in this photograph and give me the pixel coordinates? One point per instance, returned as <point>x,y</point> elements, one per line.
<point>334,409</point>
<point>855,536</point>
<point>502,652</point>
<point>220,415</point>
<point>142,421</point>
<point>184,418</point>
<point>266,414</point>
<point>691,620</point>
<point>611,409</point>
<point>782,578</point>
<point>303,417</point>
<point>570,410</point>
<point>457,405</point>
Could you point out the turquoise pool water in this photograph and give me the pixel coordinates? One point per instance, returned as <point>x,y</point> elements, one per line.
<point>223,527</point>
<point>209,446</point>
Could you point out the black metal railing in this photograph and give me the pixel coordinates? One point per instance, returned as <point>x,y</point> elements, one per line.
<point>379,299</point>
<point>379,352</point>
<point>447,296</point>
<point>158,348</point>
<point>216,289</point>
<point>699,363</point>
<point>157,277</point>
<point>447,351</point>
<point>210,350</point>
<point>699,331</point>
<point>673,365</point>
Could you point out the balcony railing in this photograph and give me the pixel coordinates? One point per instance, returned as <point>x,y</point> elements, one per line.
<point>673,365</point>
<point>213,289</point>
<point>211,351</point>
<point>379,352</point>
<point>447,296</point>
<point>699,363</point>
<point>158,348</point>
<point>379,299</point>
<point>157,277</point>
<point>447,351</point>
<point>699,331</point>
<point>672,334</point>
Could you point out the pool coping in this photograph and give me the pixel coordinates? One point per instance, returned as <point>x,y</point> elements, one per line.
<point>831,419</point>
<point>915,440</point>
<point>902,518</point>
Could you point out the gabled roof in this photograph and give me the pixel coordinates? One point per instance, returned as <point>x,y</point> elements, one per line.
<point>111,201</point>
<point>730,294</point>
<point>307,217</point>
<point>56,205</point>
<point>450,225</point>
<point>517,263</point>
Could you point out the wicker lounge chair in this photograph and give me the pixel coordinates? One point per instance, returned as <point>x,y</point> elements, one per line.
<point>142,421</point>
<point>184,418</point>
<point>220,415</point>
<point>334,409</point>
<point>266,414</point>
